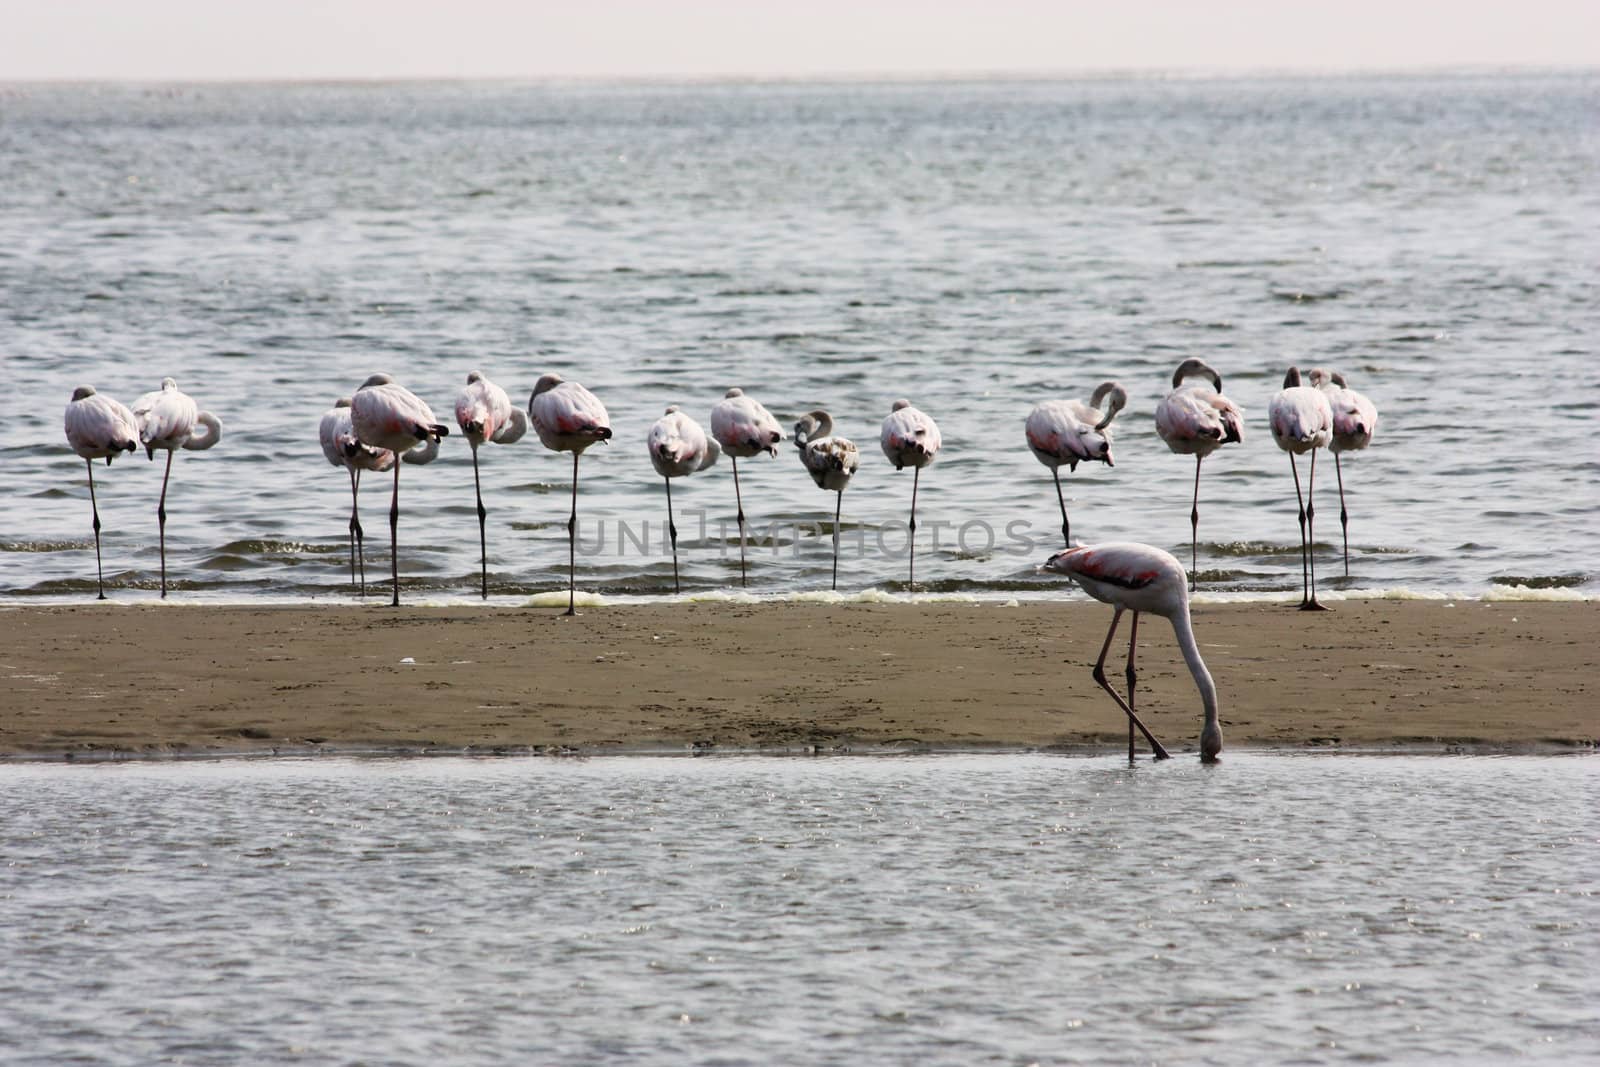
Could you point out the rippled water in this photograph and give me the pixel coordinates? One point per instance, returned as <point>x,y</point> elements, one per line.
<point>975,246</point>
<point>958,909</point>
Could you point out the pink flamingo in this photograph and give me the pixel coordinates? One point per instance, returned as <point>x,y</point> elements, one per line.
<point>910,439</point>
<point>343,449</point>
<point>1070,431</point>
<point>568,418</point>
<point>168,419</point>
<point>831,461</point>
<point>678,448</point>
<point>1302,421</point>
<point>485,413</point>
<point>1355,420</point>
<point>1195,419</point>
<point>743,428</point>
<point>1135,577</point>
<point>386,415</point>
<point>99,427</point>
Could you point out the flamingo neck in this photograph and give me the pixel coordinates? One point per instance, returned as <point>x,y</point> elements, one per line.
<point>1202,677</point>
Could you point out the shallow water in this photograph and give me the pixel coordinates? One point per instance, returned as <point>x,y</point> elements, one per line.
<point>956,909</point>
<point>975,246</point>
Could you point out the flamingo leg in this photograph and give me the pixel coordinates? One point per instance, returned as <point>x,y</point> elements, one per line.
<point>354,522</point>
<point>161,519</point>
<point>361,535</point>
<point>911,536</point>
<point>1100,677</point>
<point>1066,527</point>
<point>572,544</point>
<point>1133,678</point>
<point>672,530</point>
<point>483,537</point>
<point>838,504</point>
<point>1194,526</point>
<point>1311,536</point>
<point>394,536</point>
<point>1344,516</point>
<point>99,570</point>
<point>1304,581</point>
<point>739,502</point>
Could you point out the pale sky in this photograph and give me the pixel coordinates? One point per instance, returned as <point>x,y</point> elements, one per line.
<point>320,39</point>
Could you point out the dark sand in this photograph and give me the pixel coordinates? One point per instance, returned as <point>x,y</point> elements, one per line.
<point>104,680</point>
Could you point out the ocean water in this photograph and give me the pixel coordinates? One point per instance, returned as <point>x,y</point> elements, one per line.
<point>948,910</point>
<point>974,246</point>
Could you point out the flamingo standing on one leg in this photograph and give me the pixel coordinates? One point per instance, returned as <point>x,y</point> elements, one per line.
<point>386,415</point>
<point>910,439</point>
<point>1355,420</point>
<point>1070,431</point>
<point>831,461</point>
<point>99,427</point>
<point>1194,420</point>
<point>167,419</point>
<point>485,413</point>
<point>1135,577</point>
<point>743,428</point>
<point>678,448</point>
<point>343,449</point>
<point>568,418</point>
<point>1302,421</point>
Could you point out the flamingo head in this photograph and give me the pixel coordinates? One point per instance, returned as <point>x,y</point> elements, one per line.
<point>1210,742</point>
<point>83,392</point>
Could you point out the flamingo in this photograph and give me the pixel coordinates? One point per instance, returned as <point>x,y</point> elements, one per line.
<point>1195,419</point>
<point>386,415</point>
<point>1302,421</point>
<point>1070,431</point>
<point>167,419</point>
<point>743,428</point>
<point>343,449</point>
<point>485,413</point>
<point>1355,420</point>
<point>99,427</point>
<point>910,438</point>
<point>678,448</point>
<point>568,418</point>
<point>1135,577</point>
<point>831,461</point>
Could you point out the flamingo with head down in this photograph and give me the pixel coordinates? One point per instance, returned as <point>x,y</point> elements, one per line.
<point>1139,578</point>
<point>910,439</point>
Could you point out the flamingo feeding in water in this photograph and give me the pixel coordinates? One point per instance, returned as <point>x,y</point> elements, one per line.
<point>568,418</point>
<point>1070,431</point>
<point>831,461</point>
<point>743,428</point>
<point>168,419</point>
<point>1302,421</point>
<point>678,448</point>
<point>386,415</point>
<point>1138,578</point>
<point>343,449</point>
<point>910,439</point>
<point>485,413</point>
<point>1355,420</point>
<point>99,427</point>
<point>1195,419</point>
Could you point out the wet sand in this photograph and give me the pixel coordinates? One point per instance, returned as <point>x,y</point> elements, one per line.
<point>107,680</point>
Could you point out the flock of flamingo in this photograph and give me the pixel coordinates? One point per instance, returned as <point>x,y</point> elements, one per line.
<point>383,423</point>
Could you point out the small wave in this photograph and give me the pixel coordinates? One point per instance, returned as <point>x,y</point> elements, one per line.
<point>1541,581</point>
<point>44,546</point>
<point>267,546</point>
<point>1302,296</point>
